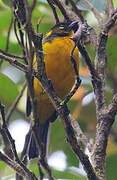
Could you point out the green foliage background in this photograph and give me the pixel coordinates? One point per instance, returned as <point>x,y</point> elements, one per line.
<point>9,89</point>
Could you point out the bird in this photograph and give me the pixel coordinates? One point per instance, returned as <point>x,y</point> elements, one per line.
<point>57,47</point>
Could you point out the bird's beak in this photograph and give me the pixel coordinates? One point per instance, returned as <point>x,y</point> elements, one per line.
<point>73,25</point>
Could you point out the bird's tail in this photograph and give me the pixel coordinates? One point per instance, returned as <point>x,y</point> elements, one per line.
<point>41,134</point>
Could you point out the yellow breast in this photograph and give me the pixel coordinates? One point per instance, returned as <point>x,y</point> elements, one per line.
<point>59,70</point>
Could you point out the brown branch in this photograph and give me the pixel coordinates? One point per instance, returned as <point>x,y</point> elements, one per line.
<point>13,60</point>
<point>12,164</point>
<point>101,66</point>
<point>96,81</point>
<point>33,5</point>
<point>110,7</point>
<point>19,33</point>
<point>76,10</point>
<point>95,12</point>
<point>77,82</point>
<point>11,143</point>
<point>8,35</point>
<point>110,23</point>
<point>112,108</point>
<point>53,10</point>
<point>101,59</point>
<point>67,11</point>
<point>59,4</point>
<point>105,115</point>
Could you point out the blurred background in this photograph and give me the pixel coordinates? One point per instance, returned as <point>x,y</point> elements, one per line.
<point>61,158</point>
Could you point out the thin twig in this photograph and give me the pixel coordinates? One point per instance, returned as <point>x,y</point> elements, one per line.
<point>19,33</point>
<point>110,7</point>
<point>77,82</point>
<point>76,10</point>
<point>5,132</point>
<point>8,39</point>
<point>8,35</point>
<point>112,108</point>
<point>12,164</point>
<point>95,12</point>
<point>62,9</point>
<point>53,10</point>
<point>15,103</point>
<point>13,60</point>
<point>32,7</point>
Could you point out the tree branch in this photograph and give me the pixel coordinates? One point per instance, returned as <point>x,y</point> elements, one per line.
<point>112,108</point>
<point>110,7</point>
<point>13,165</point>
<point>16,164</point>
<point>95,12</point>
<point>105,115</point>
<point>76,10</point>
<point>53,10</point>
<point>13,60</point>
<point>62,9</point>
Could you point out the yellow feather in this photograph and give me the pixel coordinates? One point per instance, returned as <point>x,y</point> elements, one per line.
<point>59,69</point>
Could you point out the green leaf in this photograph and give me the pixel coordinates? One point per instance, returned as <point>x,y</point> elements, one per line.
<point>67,175</point>
<point>8,90</point>
<point>2,165</point>
<point>111,167</point>
<point>33,166</point>
<point>5,18</point>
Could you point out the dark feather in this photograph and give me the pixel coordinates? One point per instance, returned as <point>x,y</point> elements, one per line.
<point>41,131</point>
<point>53,117</point>
<point>28,106</point>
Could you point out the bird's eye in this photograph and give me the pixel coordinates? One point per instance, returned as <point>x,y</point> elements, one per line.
<point>61,27</point>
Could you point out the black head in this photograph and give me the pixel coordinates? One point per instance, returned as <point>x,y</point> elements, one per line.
<point>64,28</point>
<point>61,30</point>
